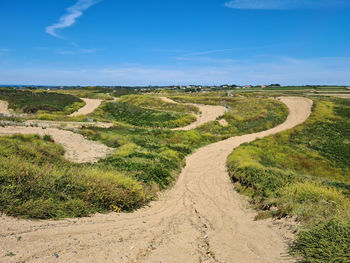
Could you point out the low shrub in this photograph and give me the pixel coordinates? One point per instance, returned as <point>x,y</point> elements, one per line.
<point>324,242</point>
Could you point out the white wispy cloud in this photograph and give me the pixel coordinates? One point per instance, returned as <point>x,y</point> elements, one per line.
<point>286,4</point>
<point>69,18</point>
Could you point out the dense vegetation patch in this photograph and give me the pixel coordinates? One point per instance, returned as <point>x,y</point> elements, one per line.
<point>37,182</point>
<point>303,172</point>
<point>157,103</point>
<point>144,117</point>
<point>324,242</point>
<point>33,101</point>
<point>98,92</point>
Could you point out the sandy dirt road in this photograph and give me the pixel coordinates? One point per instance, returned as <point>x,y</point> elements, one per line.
<point>78,149</point>
<point>208,113</point>
<point>4,107</point>
<point>90,106</point>
<point>201,219</point>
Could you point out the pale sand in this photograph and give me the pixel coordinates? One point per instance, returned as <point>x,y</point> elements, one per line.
<point>90,106</point>
<point>4,107</point>
<point>208,113</point>
<point>223,122</point>
<point>68,124</point>
<point>78,149</point>
<point>201,219</point>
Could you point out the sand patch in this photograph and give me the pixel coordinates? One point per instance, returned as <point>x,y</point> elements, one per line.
<point>90,106</point>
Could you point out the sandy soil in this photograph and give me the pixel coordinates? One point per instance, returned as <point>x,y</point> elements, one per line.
<point>208,113</point>
<point>201,219</point>
<point>78,149</point>
<point>68,124</point>
<point>4,107</point>
<point>90,106</point>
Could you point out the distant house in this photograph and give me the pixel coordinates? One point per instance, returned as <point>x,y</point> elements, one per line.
<point>248,86</point>
<point>263,86</point>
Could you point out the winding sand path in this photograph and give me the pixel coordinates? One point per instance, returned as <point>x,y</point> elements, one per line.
<point>4,107</point>
<point>201,219</point>
<point>209,113</point>
<point>90,106</point>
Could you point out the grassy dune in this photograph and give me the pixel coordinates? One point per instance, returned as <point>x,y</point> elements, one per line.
<point>33,101</point>
<point>305,173</point>
<point>143,117</point>
<point>37,182</point>
<point>158,104</point>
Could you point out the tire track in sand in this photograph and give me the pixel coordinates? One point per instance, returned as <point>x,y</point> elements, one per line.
<point>201,219</point>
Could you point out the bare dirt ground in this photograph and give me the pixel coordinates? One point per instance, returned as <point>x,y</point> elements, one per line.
<point>90,106</point>
<point>201,219</point>
<point>4,107</point>
<point>78,149</point>
<point>67,124</point>
<point>208,113</point>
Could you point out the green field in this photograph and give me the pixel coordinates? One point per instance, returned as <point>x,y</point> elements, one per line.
<point>28,101</point>
<point>144,117</point>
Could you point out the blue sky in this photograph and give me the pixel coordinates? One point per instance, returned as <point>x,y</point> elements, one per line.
<point>161,42</point>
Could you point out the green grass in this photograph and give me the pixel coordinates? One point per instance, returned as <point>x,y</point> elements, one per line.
<point>33,101</point>
<point>318,88</point>
<point>158,104</point>
<point>143,117</point>
<point>37,182</point>
<point>325,242</point>
<point>98,92</point>
<point>304,173</point>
